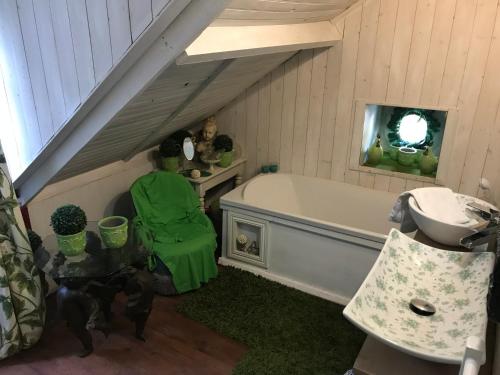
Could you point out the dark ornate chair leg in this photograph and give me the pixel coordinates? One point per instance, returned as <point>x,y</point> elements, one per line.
<point>140,324</point>
<point>106,309</point>
<point>73,307</point>
<point>139,289</point>
<point>86,340</point>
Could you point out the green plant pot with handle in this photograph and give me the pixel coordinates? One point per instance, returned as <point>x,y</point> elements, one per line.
<point>114,231</point>
<point>72,244</point>
<point>170,164</point>
<point>226,159</point>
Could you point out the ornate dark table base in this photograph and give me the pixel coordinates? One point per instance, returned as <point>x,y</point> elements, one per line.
<point>86,303</point>
<point>90,281</point>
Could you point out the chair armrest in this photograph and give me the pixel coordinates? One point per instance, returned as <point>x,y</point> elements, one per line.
<point>143,232</point>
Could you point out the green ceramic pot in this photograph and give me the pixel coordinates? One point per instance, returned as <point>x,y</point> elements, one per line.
<point>393,152</point>
<point>406,156</point>
<point>226,158</point>
<point>114,231</point>
<point>170,164</point>
<point>418,156</point>
<point>72,244</point>
<point>428,163</point>
<point>375,153</point>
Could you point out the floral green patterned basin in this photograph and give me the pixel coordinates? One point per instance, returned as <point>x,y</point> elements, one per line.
<point>455,283</point>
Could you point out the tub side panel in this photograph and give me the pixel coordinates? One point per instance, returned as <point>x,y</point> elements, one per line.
<point>326,263</point>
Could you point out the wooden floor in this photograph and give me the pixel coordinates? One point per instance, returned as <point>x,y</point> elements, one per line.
<point>174,345</point>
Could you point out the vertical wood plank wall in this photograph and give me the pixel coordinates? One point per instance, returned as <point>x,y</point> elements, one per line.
<point>53,53</point>
<point>411,52</point>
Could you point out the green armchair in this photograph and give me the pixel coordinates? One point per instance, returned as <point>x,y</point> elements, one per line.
<point>170,224</point>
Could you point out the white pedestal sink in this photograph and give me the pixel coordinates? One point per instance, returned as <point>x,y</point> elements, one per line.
<point>455,284</point>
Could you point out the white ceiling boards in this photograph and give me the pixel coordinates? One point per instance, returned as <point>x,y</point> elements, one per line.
<point>186,60</point>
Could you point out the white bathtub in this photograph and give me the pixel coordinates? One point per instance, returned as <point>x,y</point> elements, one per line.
<point>316,235</point>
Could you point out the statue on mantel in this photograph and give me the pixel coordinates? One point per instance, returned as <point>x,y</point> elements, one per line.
<point>206,137</point>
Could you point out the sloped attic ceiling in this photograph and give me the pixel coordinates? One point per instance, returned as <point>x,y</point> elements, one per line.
<point>186,92</point>
<point>155,113</point>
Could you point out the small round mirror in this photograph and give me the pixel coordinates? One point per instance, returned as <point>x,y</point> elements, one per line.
<point>188,148</point>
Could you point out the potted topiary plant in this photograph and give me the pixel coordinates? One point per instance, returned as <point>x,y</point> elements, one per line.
<point>224,144</point>
<point>69,222</point>
<point>114,231</point>
<point>169,152</point>
<point>179,136</point>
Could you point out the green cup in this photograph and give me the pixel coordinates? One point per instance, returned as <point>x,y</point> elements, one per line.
<point>114,231</point>
<point>406,156</point>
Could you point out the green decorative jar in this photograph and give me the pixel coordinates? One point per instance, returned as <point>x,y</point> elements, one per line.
<point>114,231</point>
<point>72,244</point>
<point>170,164</point>
<point>375,152</point>
<point>418,156</point>
<point>226,159</point>
<point>406,156</point>
<point>393,152</point>
<point>428,162</point>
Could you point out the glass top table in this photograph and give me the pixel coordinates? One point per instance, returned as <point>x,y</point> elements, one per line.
<point>96,262</point>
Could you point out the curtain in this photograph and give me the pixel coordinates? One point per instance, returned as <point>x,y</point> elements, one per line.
<point>22,307</point>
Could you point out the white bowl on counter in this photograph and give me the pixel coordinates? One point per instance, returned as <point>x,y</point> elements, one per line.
<point>446,233</point>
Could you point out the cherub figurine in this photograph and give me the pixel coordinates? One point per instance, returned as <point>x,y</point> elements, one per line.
<point>206,136</point>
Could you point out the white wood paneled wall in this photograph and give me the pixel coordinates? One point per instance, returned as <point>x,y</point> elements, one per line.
<point>412,52</point>
<point>53,53</point>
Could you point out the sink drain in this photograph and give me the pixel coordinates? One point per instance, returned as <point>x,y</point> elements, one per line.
<point>421,307</point>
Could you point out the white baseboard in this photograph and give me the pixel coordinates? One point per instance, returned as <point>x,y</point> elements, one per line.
<point>306,288</point>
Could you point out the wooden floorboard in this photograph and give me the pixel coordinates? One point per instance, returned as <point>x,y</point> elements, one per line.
<point>174,345</point>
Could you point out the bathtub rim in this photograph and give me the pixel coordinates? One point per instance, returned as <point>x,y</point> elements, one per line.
<point>235,200</point>
<point>310,225</point>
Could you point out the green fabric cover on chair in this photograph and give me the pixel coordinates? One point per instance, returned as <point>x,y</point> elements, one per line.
<point>170,224</point>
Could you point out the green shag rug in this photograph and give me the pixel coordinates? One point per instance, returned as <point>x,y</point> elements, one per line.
<point>287,331</point>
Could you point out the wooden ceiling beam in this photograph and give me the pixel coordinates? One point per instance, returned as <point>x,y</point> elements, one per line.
<point>224,42</point>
